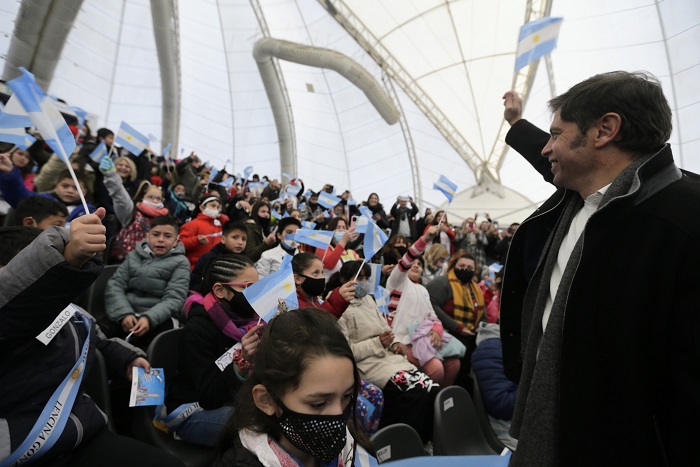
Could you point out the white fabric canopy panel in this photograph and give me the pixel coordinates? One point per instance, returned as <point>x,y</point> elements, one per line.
<point>460,52</point>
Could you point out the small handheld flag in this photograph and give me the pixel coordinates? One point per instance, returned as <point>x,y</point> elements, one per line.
<point>537,39</point>
<point>375,239</point>
<point>47,120</point>
<point>315,238</point>
<point>264,295</point>
<point>130,139</point>
<point>328,200</point>
<point>446,187</point>
<point>99,153</point>
<point>381,295</point>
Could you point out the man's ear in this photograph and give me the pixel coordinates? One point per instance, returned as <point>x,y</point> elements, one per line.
<point>607,129</point>
<point>28,222</point>
<point>263,400</point>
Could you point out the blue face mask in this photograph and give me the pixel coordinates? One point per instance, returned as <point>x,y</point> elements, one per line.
<point>337,236</point>
<point>361,289</point>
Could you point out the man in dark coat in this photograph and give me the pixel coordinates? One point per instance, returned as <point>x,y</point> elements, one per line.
<point>603,345</point>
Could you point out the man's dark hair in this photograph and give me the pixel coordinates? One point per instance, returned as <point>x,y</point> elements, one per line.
<point>39,208</point>
<point>636,97</point>
<point>230,226</point>
<point>102,133</point>
<point>15,239</point>
<point>165,220</point>
<point>285,222</point>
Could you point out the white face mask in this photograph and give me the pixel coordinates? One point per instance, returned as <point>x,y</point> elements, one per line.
<point>152,204</point>
<point>211,212</point>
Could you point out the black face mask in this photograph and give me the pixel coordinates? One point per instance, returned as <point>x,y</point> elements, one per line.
<point>321,436</point>
<point>402,250</point>
<point>464,275</point>
<point>239,304</point>
<point>313,286</point>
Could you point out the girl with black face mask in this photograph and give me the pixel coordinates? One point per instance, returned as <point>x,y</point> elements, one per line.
<point>297,404</point>
<point>211,372</point>
<point>308,276</point>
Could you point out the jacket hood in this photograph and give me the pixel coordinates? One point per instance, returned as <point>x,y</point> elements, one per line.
<point>488,331</point>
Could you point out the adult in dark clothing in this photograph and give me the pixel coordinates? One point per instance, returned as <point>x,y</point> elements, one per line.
<point>272,191</point>
<point>188,174</point>
<point>592,358</point>
<point>404,218</point>
<point>259,236</point>
<point>421,223</point>
<point>377,209</point>
<point>503,245</point>
<point>37,288</point>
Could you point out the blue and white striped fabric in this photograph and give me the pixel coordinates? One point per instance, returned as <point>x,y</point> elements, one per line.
<point>247,171</point>
<point>265,294</point>
<point>80,113</point>
<point>537,39</point>
<point>13,116</point>
<point>381,295</point>
<point>308,225</point>
<point>166,151</point>
<point>446,187</point>
<point>99,152</point>
<point>328,200</point>
<point>131,140</point>
<point>362,223</point>
<point>44,116</point>
<point>365,211</point>
<point>315,238</point>
<point>28,141</point>
<point>375,239</point>
<point>376,277</point>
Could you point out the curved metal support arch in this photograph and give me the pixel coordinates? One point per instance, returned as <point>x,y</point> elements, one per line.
<point>38,38</point>
<point>266,48</point>
<point>166,32</point>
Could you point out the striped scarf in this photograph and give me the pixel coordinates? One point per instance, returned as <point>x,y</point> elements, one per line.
<point>466,297</point>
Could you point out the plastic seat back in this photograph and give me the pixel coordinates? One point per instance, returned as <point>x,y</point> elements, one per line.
<point>456,428</point>
<point>398,441</point>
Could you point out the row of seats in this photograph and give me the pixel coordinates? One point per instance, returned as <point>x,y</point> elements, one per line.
<point>461,428</point>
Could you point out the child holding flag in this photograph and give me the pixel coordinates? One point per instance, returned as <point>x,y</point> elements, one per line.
<point>308,277</point>
<point>217,319</point>
<point>333,258</point>
<point>203,233</point>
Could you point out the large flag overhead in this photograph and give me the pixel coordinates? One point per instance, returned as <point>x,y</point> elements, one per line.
<point>537,39</point>
<point>316,238</point>
<point>446,187</point>
<point>328,200</point>
<point>264,295</point>
<point>131,140</point>
<point>43,114</point>
<point>375,239</point>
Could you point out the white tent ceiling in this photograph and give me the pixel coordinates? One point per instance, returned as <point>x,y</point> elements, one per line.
<point>457,54</point>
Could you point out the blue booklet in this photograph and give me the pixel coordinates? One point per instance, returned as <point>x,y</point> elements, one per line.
<point>147,388</point>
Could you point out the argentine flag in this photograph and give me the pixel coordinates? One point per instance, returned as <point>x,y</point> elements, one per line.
<point>374,240</point>
<point>28,141</point>
<point>43,114</point>
<point>13,116</point>
<point>308,225</point>
<point>376,276</point>
<point>264,295</point>
<point>365,211</point>
<point>131,140</point>
<point>99,152</point>
<point>328,200</point>
<point>316,238</point>
<point>381,295</point>
<point>445,186</point>
<point>537,39</point>
<point>247,171</point>
<point>361,224</point>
